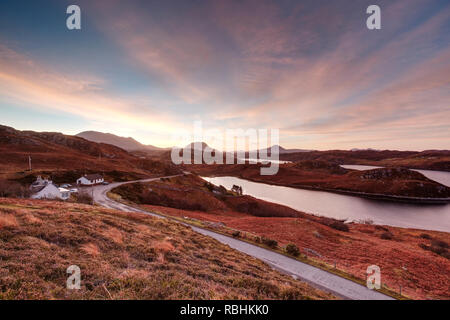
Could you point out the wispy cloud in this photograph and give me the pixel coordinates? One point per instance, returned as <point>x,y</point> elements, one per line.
<point>310,68</point>
<point>39,86</point>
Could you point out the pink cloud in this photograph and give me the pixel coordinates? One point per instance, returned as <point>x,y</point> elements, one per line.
<point>26,81</point>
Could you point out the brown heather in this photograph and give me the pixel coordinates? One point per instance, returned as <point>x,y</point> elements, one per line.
<point>418,262</point>
<point>125,256</point>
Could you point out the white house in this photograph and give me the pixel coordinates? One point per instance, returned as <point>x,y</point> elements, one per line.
<point>45,189</point>
<point>90,179</point>
<point>50,191</point>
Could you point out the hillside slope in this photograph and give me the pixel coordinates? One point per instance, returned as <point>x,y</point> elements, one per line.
<point>66,157</point>
<point>428,159</point>
<point>328,176</point>
<point>125,256</point>
<point>417,260</point>
<point>128,144</point>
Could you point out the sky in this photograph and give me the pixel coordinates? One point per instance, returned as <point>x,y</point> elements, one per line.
<point>312,69</point>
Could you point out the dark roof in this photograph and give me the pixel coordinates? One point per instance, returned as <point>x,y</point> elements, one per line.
<point>92,177</point>
<point>37,189</point>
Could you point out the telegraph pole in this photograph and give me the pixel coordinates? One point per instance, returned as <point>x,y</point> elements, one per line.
<point>29,162</point>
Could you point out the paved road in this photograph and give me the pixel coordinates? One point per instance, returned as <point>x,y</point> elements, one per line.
<point>317,277</point>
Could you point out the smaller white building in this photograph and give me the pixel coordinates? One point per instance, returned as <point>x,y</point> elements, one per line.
<point>45,189</point>
<point>65,194</point>
<point>90,179</point>
<point>50,191</point>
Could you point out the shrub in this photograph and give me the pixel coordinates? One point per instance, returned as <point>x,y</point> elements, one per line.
<point>291,294</point>
<point>12,189</point>
<point>446,255</point>
<point>292,249</point>
<point>437,246</point>
<point>84,197</point>
<point>339,225</point>
<point>236,234</point>
<point>209,186</point>
<point>439,243</point>
<point>387,236</point>
<point>382,228</point>
<point>437,249</point>
<point>269,242</point>
<point>423,246</point>
<point>425,236</point>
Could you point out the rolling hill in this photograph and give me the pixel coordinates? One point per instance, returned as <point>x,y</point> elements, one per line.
<point>66,157</point>
<point>428,159</point>
<point>128,144</point>
<point>125,256</point>
<point>394,183</point>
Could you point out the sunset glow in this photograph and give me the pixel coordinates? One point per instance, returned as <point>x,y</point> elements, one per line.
<point>310,68</point>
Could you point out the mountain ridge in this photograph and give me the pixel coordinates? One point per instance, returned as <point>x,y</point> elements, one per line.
<point>69,156</point>
<point>126,143</point>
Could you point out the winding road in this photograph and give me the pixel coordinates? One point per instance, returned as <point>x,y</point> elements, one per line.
<point>316,277</point>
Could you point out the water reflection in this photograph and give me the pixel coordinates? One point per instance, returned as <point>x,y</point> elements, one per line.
<point>430,217</point>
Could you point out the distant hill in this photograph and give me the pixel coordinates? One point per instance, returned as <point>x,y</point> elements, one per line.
<point>57,143</point>
<point>69,156</point>
<point>128,144</point>
<point>282,150</point>
<point>428,159</point>
<point>367,149</point>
